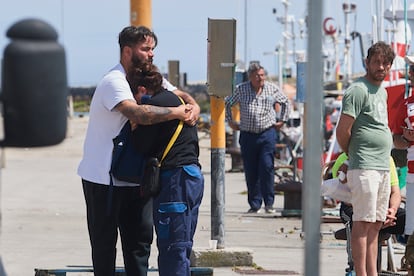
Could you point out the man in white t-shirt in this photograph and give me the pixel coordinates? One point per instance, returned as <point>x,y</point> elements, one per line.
<point>119,207</point>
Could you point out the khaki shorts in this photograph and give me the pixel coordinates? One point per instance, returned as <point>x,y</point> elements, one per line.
<point>370,194</point>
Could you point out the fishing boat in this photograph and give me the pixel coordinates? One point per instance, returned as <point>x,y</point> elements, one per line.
<point>401,18</point>
<point>392,22</point>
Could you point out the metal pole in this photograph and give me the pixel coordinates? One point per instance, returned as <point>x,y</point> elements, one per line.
<point>141,13</point>
<point>313,140</point>
<point>2,158</point>
<point>280,67</point>
<point>347,12</point>
<point>245,35</point>
<point>285,38</point>
<point>218,146</point>
<point>221,63</point>
<point>174,72</point>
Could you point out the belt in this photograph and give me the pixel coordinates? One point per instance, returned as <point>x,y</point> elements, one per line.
<point>260,132</point>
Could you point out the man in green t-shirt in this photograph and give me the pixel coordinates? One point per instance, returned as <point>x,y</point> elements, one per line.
<point>362,132</point>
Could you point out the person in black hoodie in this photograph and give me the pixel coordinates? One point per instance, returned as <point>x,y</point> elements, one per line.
<point>176,207</point>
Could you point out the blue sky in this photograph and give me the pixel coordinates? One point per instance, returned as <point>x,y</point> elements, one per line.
<point>88,30</point>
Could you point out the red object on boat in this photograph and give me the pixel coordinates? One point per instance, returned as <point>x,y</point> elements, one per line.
<point>396,95</point>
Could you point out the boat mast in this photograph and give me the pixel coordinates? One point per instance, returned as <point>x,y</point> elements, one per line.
<point>348,8</point>
<point>287,20</point>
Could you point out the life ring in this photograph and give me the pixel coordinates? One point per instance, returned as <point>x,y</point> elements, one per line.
<point>329,30</point>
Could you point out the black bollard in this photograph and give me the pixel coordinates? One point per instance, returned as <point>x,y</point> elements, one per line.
<point>34,86</point>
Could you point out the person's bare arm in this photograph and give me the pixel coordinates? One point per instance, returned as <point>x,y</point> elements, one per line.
<point>343,131</point>
<point>404,140</point>
<point>408,134</point>
<point>234,126</point>
<point>395,197</point>
<point>150,114</point>
<point>400,142</point>
<point>395,201</point>
<point>195,112</point>
<point>278,108</point>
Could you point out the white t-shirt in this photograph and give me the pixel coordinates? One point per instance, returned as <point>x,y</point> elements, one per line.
<point>105,123</point>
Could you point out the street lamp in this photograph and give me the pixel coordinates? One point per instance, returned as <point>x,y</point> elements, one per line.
<point>279,53</point>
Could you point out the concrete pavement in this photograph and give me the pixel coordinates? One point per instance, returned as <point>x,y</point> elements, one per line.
<point>44,224</point>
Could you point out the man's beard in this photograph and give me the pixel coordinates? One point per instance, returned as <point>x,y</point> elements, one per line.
<point>138,63</point>
<point>375,77</point>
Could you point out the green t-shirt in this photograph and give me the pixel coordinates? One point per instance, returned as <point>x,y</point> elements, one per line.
<point>371,141</point>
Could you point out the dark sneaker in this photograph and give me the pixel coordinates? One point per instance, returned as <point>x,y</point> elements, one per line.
<point>270,210</point>
<point>253,211</point>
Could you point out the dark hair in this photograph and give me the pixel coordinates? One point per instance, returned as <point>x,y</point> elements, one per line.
<point>147,76</point>
<point>133,35</point>
<point>382,49</point>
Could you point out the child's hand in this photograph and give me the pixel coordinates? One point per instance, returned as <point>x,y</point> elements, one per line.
<point>342,173</point>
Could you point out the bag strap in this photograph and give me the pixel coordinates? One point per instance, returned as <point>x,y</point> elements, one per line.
<point>173,138</point>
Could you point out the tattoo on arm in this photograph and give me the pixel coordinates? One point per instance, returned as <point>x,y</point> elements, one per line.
<point>146,114</point>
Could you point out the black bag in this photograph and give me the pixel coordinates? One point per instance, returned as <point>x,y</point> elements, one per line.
<point>127,163</point>
<point>151,185</point>
<point>151,180</point>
